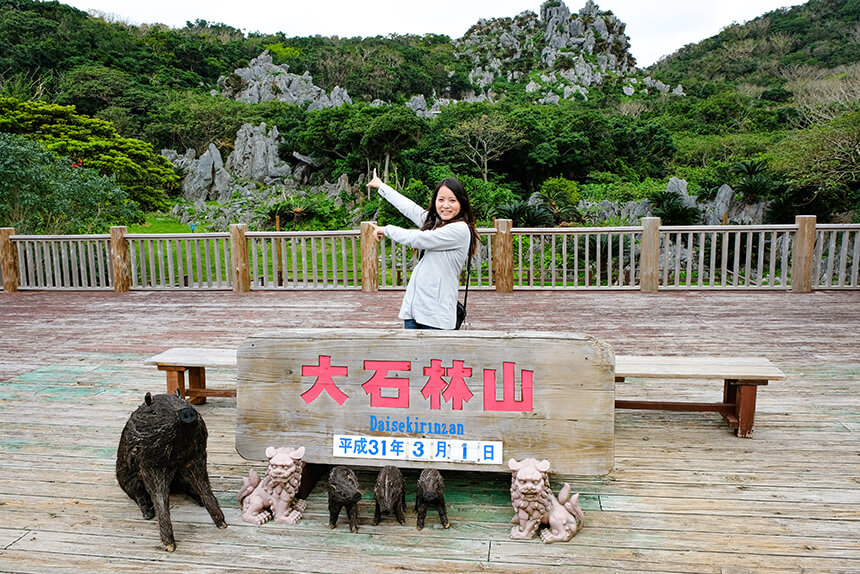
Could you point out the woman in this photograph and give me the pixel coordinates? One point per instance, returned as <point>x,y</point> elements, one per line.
<point>447,236</point>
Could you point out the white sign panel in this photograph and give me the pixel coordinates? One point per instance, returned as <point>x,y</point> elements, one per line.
<point>430,450</point>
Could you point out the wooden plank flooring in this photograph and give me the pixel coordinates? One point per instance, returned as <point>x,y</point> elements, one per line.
<point>685,495</point>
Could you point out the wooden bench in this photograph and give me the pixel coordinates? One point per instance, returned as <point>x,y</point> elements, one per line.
<point>741,378</point>
<point>179,360</point>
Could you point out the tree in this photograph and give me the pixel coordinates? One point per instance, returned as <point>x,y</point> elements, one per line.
<point>562,140</point>
<point>825,162</point>
<point>185,120</point>
<point>485,138</point>
<point>395,129</point>
<point>142,173</point>
<point>92,87</point>
<point>43,193</point>
<point>334,131</point>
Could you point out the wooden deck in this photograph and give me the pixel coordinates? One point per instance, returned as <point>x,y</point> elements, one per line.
<point>685,495</point>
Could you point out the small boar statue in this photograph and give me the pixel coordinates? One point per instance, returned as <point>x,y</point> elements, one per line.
<point>389,494</point>
<point>343,491</point>
<point>275,495</point>
<point>162,450</point>
<point>431,492</point>
<point>535,506</point>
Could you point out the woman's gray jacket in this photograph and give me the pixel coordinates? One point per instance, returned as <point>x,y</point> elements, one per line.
<point>431,294</point>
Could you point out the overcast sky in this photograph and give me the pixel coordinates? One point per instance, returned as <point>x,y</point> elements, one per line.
<point>656,27</point>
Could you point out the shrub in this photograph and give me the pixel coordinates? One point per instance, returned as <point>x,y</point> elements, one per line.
<point>525,214</point>
<point>561,197</point>
<point>671,210</point>
<point>308,213</point>
<point>608,186</point>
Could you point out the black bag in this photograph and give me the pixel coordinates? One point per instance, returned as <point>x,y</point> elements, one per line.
<point>461,314</point>
<point>461,307</point>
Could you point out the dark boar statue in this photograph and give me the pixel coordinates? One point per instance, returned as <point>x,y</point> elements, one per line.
<point>431,492</point>
<point>162,450</point>
<point>343,491</point>
<point>389,494</point>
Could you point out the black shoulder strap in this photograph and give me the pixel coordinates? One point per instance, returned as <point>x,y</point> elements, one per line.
<point>468,271</point>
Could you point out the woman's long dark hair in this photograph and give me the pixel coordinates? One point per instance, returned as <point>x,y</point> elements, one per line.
<point>466,214</point>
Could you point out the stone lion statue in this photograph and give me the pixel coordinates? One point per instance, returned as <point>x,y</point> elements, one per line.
<point>535,506</point>
<point>274,496</point>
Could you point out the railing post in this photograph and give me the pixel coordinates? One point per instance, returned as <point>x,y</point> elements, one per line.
<point>119,259</point>
<point>239,258</point>
<point>369,259</point>
<point>804,253</point>
<point>649,257</point>
<point>9,260</point>
<point>503,255</point>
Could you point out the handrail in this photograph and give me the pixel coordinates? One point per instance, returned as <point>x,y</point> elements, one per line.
<point>648,257</point>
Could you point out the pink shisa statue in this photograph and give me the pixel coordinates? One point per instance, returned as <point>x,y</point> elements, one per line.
<point>535,506</point>
<point>275,495</point>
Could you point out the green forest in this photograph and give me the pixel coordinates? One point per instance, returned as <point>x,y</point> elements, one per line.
<point>770,107</point>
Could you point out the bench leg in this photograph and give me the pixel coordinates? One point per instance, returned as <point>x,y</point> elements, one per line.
<point>197,381</point>
<point>175,380</point>
<point>742,396</point>
<point>745,409</point>
<point>730,397</point>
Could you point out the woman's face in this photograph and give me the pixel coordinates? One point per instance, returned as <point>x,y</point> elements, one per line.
<point>447,205</point>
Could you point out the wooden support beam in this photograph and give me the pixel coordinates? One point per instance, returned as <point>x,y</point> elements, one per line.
<point>120,259</point>
<point>239,258</point>
<point>503,255</point>
<point>804,253</point>
<point>9,260</point>
<point>722,408</point>
<point>197,385</point>
<point>369,259</point>
<point>649,259</point>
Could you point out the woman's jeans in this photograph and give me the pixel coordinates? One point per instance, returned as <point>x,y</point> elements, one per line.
<point>412,324</point>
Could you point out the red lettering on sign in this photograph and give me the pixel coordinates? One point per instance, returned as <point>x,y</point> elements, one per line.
<point>435,384</point>
<point>324,373</point>
<point>379,381</point>
<point>458,392</point>
<point>508,402</point>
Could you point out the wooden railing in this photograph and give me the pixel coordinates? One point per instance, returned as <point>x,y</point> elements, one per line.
<point>59,262</point>
<point>800,257</point>
<point>311,260</point>
<point>179,261</point>
<point>726,257</point>
<point>837,257</point>
<point>577,258</point>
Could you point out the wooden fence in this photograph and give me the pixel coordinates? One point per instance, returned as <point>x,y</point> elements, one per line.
<point>800,257</point>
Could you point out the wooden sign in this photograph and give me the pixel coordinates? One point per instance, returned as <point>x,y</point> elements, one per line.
<point>467,400</point>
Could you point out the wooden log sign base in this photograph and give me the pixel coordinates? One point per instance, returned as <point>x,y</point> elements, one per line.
<point>447,399</point>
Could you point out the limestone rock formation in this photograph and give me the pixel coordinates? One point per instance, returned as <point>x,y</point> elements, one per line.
<point>419,105</point>
<point>255,155</point>
<point>263,81</point>
<point>724,205</point>
<point>558,54</point>
<point>203,178</point>
<point>499,48</point>
<point>714,211</point>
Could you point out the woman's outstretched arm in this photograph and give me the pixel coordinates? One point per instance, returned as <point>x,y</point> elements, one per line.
<point>414,212</point>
